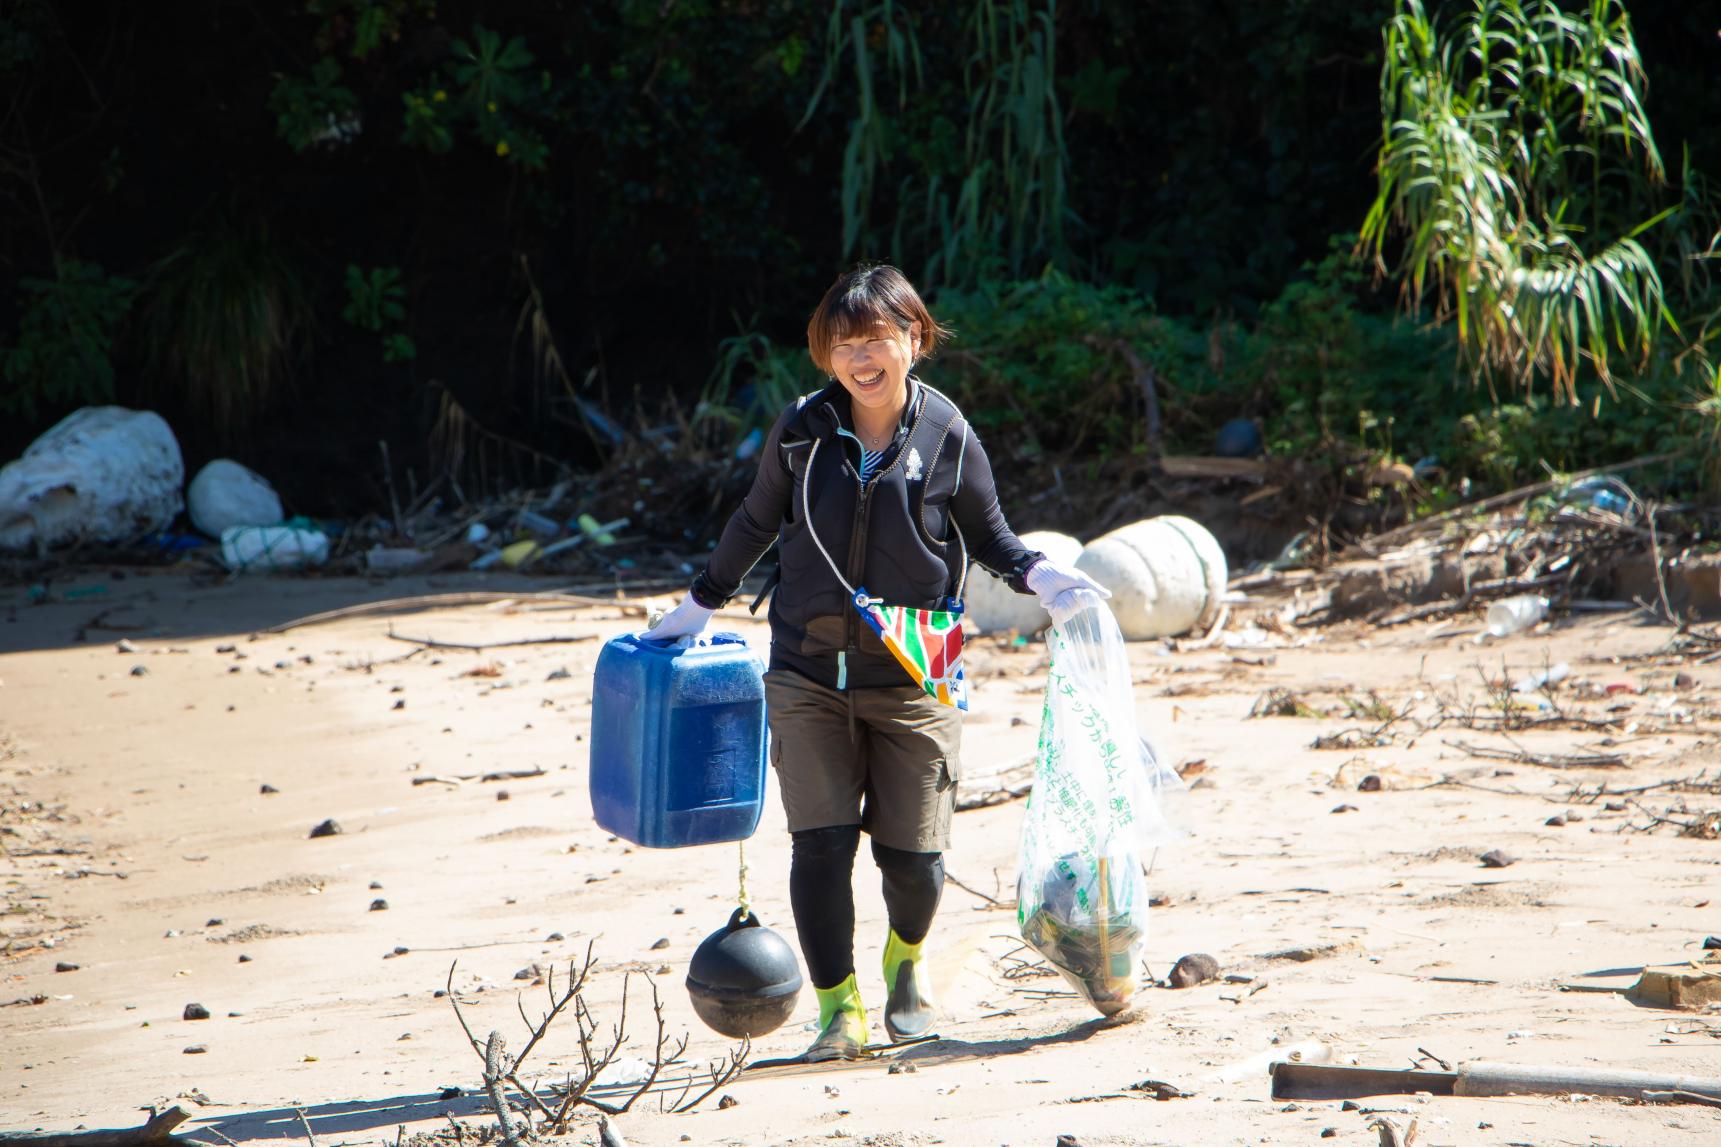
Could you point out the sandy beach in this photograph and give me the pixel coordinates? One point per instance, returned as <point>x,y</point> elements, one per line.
<point>158,803</point>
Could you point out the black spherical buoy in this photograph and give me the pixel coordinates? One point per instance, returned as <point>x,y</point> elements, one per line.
<point>1238,438</point>
<point>744,978</point>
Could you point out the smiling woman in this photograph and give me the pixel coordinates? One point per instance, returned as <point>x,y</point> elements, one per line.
<point>873,490</point>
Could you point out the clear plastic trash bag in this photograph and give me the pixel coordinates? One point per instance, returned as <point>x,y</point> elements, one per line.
<point>1101,799</point>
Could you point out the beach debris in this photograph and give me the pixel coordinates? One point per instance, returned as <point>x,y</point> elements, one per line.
<point>63,966</point>
<point>1159,1089</point>
<point>1307,952</point>
<point>329,827</point>
<point>195,1012</point>
<point>599,1052</point>
<point>1195,968</point>
<point>1293,1080</point>
<point>101,474</point>
<point>225,494</point>
<point>1689,985</point>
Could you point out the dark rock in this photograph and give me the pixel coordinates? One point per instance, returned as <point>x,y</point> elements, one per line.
<point>1495,858</point>
<point>62,966</point>
<point>379,905</point>
<point>196,1012</point>
<point>226,648</point>
<point>503,795</point>
<point>1369,784</point>
<point>1555,821</point>
<point>1684,681</point>
<point>214,922</point>
<point>244,959</point>
<point>376,885</point>
<point>449,1092</point>
<point>558,675</point>
<point>660,943</point>
<point>327,828</point>
<point>1350,1105</point>
<point>553,937</point>
<point>196,1049</point>
<point>268,790</point>
<point>1329,1133</point>
<point>1195,968</point>
<point>140,671</point>
<point>1345,808</point>
<point>727,1102</point>
<point>400,704</point>
<point>1615,806</point>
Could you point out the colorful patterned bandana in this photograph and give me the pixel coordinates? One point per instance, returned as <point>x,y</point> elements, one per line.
<point>928,643</point>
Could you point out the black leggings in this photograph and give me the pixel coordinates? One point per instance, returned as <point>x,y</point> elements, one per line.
<point>821,893</point>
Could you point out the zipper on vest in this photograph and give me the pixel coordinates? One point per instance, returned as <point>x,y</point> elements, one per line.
<point>857,558</point>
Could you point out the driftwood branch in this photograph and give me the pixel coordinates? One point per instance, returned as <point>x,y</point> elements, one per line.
<point>1545,760</point>
<point>157,1131</point>
<point>433,643</point>
<point>475,597</point>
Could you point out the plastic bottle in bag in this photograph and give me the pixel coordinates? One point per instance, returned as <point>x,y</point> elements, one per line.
<point>1081,893</point>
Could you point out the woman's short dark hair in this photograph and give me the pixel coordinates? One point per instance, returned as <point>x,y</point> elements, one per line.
<point>861,299</point>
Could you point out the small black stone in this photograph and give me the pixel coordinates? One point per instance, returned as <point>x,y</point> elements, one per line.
<point>449,1092</point>
<point>1495,858</point>
<point>196,1012</point>
<point>244,959</point>
<point>62,966</point>
<point>379,905</point>
<point>268,790</point>
<point>327,828</point>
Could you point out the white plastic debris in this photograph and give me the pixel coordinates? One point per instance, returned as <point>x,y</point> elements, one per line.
<point>271,548</point>
<point>225,494</point>
<point>103,473</point>
<point>1166,576</point>
<point>996,608</point>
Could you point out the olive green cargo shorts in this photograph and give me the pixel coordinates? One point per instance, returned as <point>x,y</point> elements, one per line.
<point>895,776</point>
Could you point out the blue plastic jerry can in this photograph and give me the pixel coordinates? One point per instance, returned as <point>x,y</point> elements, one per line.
<point>678,740</point>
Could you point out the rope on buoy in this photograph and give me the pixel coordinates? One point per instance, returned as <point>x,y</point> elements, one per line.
<point>741,881</point>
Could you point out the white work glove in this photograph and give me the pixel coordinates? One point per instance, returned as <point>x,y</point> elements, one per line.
<point>1063,590</point>
<point>686,620</point>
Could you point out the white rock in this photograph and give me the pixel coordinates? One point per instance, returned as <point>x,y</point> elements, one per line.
<point>996,608</point>
<point>1166,576</point>
<point>225,494</point>
<point>103,473</point>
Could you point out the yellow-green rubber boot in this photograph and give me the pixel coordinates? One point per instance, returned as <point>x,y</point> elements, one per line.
<point>842,1024</point>
<point>908,1008</point>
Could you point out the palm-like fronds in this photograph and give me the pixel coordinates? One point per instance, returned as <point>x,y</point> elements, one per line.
<point>223,317</point>
<point>1513,142</point>
<point>996,194</point>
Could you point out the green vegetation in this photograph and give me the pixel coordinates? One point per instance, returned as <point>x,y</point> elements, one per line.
<point>1393,232</point>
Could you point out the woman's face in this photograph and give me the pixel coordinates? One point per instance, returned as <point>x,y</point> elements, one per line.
<point>873,365</point>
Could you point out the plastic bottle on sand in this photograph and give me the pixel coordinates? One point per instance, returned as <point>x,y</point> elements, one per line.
<point>1515,614</point>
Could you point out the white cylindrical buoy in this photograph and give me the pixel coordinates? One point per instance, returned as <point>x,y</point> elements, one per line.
<point>1166,576</point>
<point>996,608</point>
